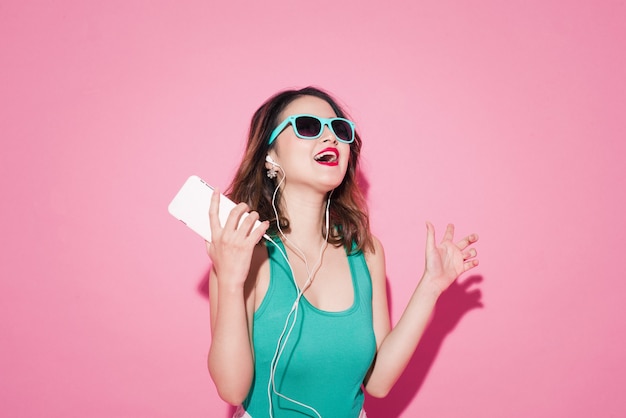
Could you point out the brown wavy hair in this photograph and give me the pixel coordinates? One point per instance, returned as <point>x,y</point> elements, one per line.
<point>348,215</point>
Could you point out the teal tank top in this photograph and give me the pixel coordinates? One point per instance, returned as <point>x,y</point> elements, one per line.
<point>326,356</point>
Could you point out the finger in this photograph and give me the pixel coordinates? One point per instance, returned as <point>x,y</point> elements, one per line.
<point>246,225</point>
<point>471,253</point>
<point>214,216</point>
<point>449,235</point>
<point>430,235</point>
<point>467,241</point>
<point>233,220</point>
<point>470,264</point>
<point>253,231</point>
<point>258,232</point>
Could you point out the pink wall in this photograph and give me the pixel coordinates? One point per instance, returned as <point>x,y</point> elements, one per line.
<point>504,117</point>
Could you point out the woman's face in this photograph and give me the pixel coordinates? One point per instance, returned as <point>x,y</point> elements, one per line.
<point>320,163</point>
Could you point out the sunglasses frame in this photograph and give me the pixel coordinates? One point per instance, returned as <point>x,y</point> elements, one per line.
<point>323,122</point>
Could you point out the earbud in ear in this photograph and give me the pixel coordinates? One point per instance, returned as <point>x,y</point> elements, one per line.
<point>271,160</point>
<point>272,172</point>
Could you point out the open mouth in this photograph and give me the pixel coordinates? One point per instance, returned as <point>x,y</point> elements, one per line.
<point>328,156</point>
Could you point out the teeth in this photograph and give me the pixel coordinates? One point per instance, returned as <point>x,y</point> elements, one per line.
<point>326,156</point>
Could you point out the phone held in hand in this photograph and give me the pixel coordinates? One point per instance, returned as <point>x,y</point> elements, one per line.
<point>191,206</point>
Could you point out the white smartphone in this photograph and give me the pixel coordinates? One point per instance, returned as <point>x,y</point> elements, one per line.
<point>191,206</point>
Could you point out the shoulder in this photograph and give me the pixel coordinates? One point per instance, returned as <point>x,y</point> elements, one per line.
<point>259,266</point>
<point>259,276</point>
<point>376,253</point>
<point>375,259</point>
<point>260,253</point>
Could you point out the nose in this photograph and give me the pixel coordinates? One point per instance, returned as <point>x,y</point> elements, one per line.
<point>328,135</point>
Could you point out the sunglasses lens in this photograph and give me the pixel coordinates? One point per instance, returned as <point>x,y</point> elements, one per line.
<point>343,130</point>
<point>308,127</point>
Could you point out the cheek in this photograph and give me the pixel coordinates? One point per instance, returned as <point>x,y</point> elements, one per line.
<point>289,145</point>
<point>346,154</point>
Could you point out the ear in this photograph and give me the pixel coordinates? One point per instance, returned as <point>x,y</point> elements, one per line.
<point>269,165</point>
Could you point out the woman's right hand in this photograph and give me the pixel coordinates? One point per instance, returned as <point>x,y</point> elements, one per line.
<point>232,245</point>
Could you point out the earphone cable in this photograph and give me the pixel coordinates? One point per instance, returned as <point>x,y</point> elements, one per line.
<point>285,334</point>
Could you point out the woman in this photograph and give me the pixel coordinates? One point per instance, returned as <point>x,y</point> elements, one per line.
<point>299,321</point>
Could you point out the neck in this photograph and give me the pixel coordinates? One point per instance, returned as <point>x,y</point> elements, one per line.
<point>307,214</point>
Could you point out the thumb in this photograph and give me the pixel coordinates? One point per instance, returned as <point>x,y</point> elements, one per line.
<point>430,236</point>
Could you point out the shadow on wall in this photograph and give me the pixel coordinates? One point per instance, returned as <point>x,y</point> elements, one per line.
<point>451,306</point>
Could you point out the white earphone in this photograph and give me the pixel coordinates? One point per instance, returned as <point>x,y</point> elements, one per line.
<point>273,171</point>
<point>292,317</point>
<point>271,160</point>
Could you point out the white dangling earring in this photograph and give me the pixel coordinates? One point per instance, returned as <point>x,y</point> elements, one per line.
<point>272,172</point>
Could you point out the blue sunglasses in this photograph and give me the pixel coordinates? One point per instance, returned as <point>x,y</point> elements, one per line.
<point>311,127</point>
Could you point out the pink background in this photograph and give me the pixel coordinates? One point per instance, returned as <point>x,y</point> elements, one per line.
<point>507,118</point>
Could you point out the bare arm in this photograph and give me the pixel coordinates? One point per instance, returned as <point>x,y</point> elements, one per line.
<point>231,284</point>
<point>444,263</point>
<point>230,359</point>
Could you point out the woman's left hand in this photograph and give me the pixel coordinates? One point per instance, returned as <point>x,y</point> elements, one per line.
<point>448,260</point>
